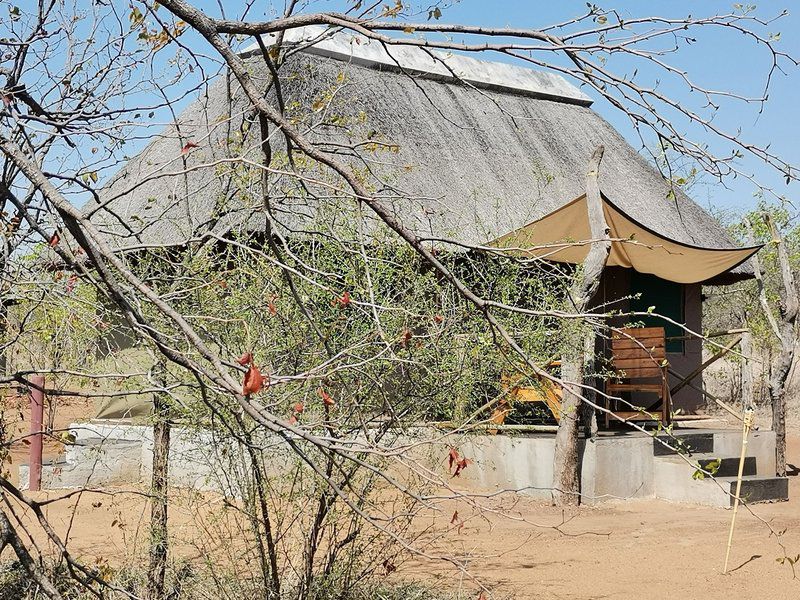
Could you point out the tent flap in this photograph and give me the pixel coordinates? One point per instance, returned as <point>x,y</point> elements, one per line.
<point>564,236</point>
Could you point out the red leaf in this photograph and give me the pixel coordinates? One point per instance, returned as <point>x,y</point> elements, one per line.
<point>455,518</point>
<point>292,420</point>
<point>460,466</point>
<point>342,302</point>
<point>405,337</point>
<point>245,359</point>
<point>452,458</point>
<point>438,318</point>
<point>54,240</point>
<point>299,408</point>
<point>272,306</point>
<point>73,279</point>
<point>253,381</point>
<point>188,146</point>
<point>326,397</point>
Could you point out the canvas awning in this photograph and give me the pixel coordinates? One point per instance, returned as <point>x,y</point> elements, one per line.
<point>564,236</point>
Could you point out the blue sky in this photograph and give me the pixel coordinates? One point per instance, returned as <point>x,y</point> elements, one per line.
<point>718,60</point>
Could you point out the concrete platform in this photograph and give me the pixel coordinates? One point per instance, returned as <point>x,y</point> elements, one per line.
<point>622,465</point>
<point>614,465</point>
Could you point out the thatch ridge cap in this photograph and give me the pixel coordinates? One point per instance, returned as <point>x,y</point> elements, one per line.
<point>430,64</point>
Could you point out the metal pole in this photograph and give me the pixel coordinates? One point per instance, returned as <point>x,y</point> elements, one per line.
<point>37,419</point>
<point>748,424</point>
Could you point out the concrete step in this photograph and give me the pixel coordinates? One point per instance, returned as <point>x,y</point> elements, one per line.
<point>760,488</point>
<point>673,480</point>
<point>726,466</point>
<point>684,443</point>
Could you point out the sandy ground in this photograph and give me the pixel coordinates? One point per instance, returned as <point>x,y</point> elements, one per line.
<point>633,549</point>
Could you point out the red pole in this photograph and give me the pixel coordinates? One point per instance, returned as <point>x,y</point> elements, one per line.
<point>37,418</point>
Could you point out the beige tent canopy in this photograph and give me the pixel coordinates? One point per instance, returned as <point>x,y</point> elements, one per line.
<point>564,236</point>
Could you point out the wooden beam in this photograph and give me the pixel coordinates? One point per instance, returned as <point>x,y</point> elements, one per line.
<point>681,384</point>
<point>713,398</point>
<point>711,334</point>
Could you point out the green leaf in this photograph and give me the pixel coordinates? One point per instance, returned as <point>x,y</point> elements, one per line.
<point>136,17</point>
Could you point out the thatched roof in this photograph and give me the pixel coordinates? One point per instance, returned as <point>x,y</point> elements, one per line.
<point>468,162</point>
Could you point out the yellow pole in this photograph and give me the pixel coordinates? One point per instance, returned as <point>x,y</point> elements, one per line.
<point>746,426</point>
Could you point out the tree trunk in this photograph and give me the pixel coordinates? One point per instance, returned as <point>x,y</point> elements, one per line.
<point>566,459</point>
<point>748,395</point>
<point>777,394</point>
<point>159,485</point>
<point>778,400</point>
<point>784,330</point>
<point>789,308</point>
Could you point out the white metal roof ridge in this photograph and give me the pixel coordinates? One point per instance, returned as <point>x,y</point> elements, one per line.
<point>433,64</point>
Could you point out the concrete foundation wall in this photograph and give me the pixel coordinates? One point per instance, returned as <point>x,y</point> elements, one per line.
<point>613,467</point>
<point>108,453</point>
<point>617,468</point>
<point>520,463</point>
